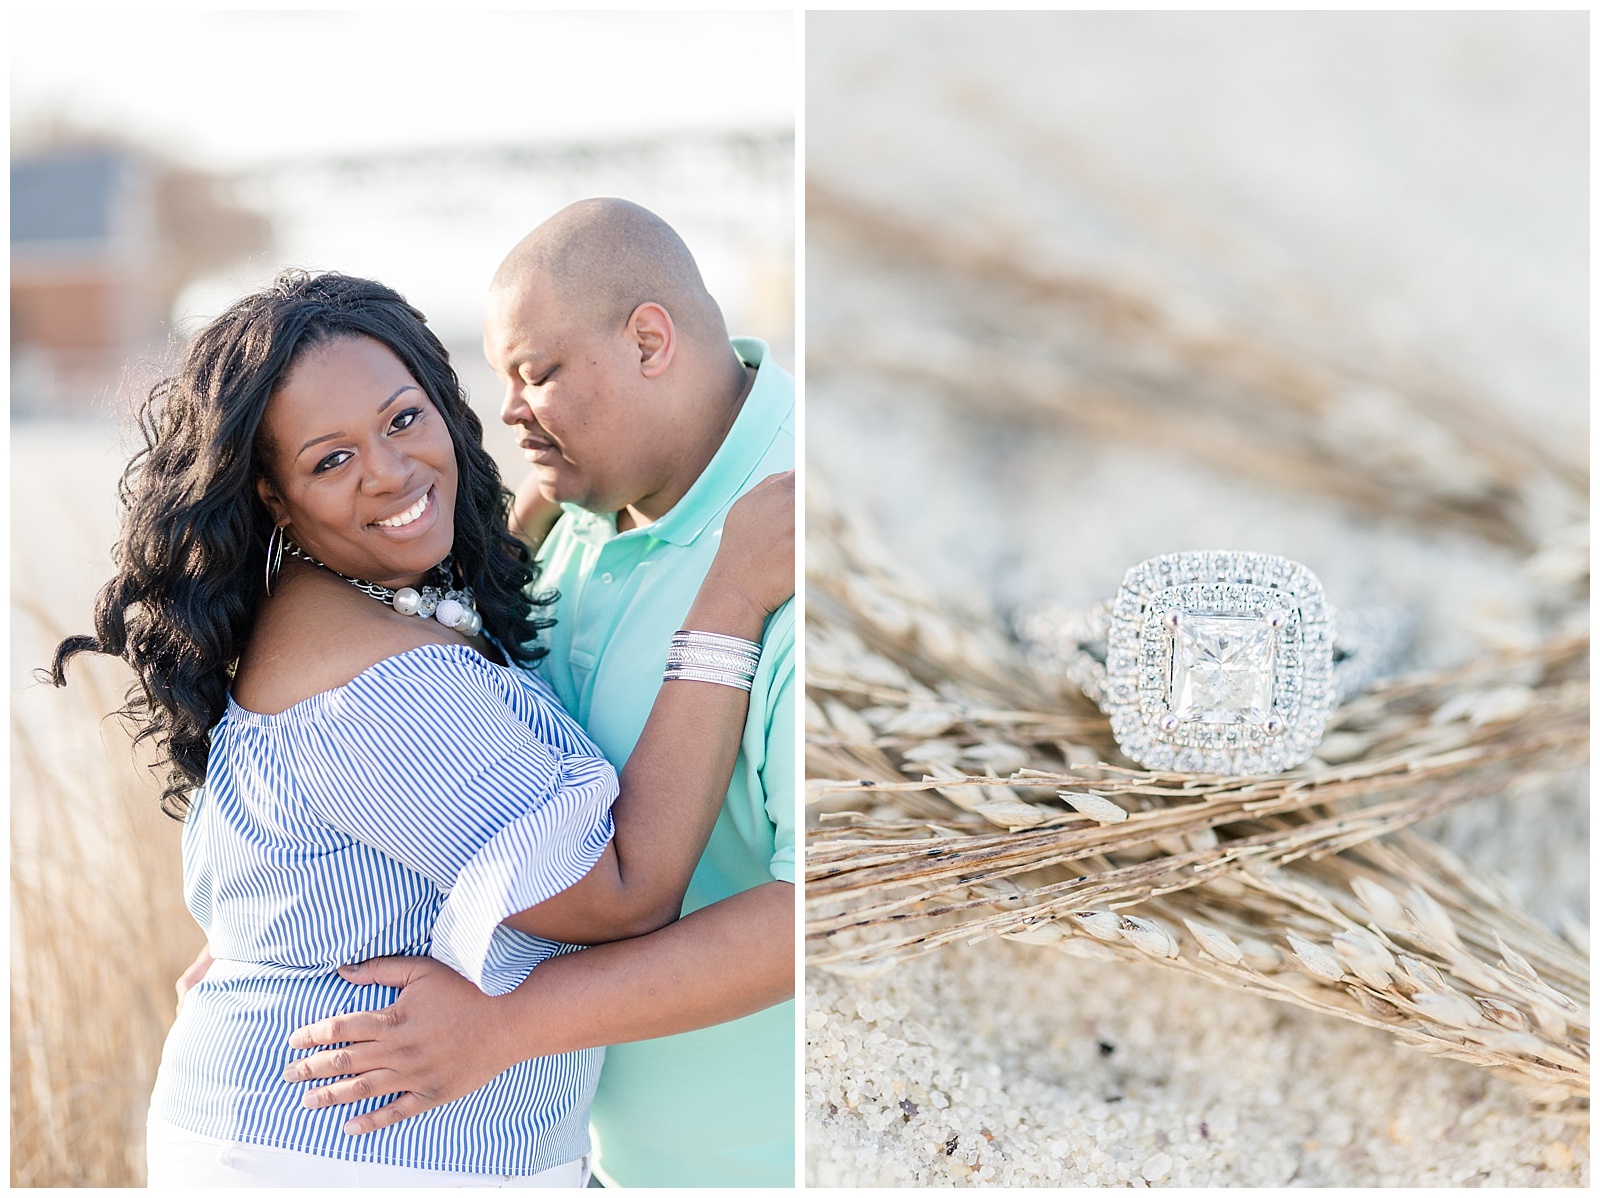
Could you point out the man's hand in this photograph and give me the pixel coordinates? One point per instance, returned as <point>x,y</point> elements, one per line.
<point>190,977</point>
<point>440,1039</point>
<point>444,1038</point>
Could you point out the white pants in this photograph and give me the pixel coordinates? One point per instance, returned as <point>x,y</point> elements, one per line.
<point>185,1160</point>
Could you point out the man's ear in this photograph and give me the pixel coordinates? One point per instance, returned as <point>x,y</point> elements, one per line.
<point>652,331</point>
<point>273,501</point>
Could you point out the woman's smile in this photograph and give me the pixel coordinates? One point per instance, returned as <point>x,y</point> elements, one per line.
<point>372,490</point>
<point>412,521</point>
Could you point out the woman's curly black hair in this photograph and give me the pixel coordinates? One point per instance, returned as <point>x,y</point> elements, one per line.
<point>190,561</point>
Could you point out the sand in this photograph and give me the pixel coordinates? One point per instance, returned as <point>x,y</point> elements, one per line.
<point>1000,1064</point>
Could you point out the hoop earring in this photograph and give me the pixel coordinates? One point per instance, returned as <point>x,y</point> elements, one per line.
<point>274,555</point>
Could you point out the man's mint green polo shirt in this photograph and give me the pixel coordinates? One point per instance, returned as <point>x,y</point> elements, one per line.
<point>713,1107</point>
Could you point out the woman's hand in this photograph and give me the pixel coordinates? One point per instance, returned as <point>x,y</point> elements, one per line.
<point>677,776</point>
<point>190,977</point>
<point>756,556</point>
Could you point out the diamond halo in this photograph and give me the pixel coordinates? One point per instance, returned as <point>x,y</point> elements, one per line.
<point>1219,662</point>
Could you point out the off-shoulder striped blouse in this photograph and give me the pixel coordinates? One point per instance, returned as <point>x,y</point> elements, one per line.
<point>406,812</point>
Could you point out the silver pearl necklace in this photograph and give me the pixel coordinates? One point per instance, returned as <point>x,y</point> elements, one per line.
<point>451,606</point>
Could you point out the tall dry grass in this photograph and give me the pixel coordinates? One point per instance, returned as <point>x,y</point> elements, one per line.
<point>98,927</point>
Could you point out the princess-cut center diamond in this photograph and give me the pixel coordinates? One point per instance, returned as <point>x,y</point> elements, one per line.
<point>1223,669</point>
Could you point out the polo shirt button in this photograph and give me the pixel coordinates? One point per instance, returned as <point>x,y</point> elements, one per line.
<point>606,578</point>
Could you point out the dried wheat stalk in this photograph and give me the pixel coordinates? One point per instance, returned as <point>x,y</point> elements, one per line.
<point>954,796</point>
<point>1389,438</point>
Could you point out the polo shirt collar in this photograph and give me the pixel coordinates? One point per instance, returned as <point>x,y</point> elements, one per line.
<point>764,410</point>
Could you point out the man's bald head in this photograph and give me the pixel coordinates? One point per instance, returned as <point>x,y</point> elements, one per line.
<point>602,258</point>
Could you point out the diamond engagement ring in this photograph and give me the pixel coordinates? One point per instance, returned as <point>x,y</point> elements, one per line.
<point>1217,661</point>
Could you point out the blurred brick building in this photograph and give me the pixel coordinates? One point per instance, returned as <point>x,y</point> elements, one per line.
<point>103,239</point>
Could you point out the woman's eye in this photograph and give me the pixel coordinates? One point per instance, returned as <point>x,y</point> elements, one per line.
<point>337,458</point>
<point>405,419</point>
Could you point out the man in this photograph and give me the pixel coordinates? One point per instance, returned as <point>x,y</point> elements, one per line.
<point>644,423</point>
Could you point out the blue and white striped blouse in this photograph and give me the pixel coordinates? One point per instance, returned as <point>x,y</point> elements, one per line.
<point>406,812</point>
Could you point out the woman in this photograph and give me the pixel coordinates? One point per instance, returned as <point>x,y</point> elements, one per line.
<point>329,622</point>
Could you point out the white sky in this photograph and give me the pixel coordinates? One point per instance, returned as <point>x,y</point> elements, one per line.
<point>234,89</point>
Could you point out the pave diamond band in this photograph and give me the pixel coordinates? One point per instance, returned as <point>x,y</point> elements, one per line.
<point>1218,662</point>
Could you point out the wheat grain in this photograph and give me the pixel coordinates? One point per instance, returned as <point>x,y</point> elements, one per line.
<point>995,832</point>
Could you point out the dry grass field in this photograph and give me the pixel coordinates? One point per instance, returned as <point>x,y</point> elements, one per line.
<point>98,927</point>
